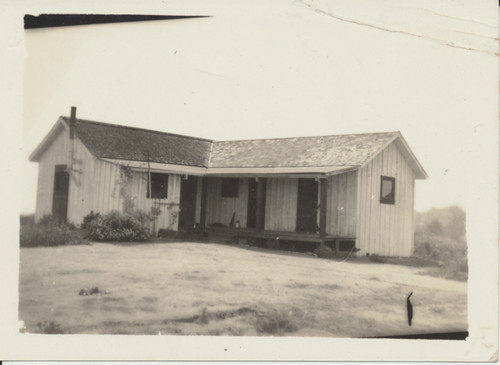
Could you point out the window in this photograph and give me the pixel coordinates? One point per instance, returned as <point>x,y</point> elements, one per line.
<point>159,186</point>
<point>387,190</point>
<point>229,187</point>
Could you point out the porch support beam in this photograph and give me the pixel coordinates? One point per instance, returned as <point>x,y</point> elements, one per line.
<point>322,208</point>
<point>261,204</point>
<point>203,207</point>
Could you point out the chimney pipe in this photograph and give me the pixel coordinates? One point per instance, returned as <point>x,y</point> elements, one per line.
<point>72,122</point>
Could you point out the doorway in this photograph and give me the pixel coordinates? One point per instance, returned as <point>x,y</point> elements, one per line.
<point>252,203</point>
<point>60,196</point>
<point>307,206</point>
<point>188,203</point>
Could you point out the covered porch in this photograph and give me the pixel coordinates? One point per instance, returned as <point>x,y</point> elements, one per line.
<point>306,207</point>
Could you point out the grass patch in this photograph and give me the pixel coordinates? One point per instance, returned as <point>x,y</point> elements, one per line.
<point>49,232</point>
<point>49,328</point>
<point>279,322</point>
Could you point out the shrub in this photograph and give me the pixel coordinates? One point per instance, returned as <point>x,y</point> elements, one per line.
<point>89,218</point>
<point>324,252</point>
<point>49,232</point>
<point>116,226</point>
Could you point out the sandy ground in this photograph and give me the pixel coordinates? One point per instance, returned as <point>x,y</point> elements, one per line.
<point>211,289</point>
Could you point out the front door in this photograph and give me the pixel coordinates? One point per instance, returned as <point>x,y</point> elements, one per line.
<point>307,206</point>
<point>188,203</point>
<point>60,196</point>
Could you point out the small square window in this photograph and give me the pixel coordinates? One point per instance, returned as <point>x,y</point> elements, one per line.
<point>229,187</point>
<point>159,186</point>
<point>387,190</point>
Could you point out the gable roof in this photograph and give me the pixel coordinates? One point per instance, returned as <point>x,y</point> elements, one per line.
<point>321,154</point>
<point>329,153</point>
<point>336,150</point>
<point>135,144</point>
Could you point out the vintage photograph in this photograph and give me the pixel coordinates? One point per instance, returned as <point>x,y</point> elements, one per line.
<point>281,169</point>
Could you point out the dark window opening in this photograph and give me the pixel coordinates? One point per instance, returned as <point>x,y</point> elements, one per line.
<point>159,186</point>
<point>387,190</point>
<point>229,187</point>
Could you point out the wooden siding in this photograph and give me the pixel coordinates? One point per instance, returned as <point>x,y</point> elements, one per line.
<point>92,184</point>
<point>58,153</point>
<point>93,188</point>
<point>386,229</point>
<point>281,204</point>
<point>168,218</point>
<point>96,184</point>
<point>341,204</point>
<point>220,210</point>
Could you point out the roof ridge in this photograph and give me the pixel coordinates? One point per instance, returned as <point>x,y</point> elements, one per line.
<point>136,128</point>
<point>304,137</point>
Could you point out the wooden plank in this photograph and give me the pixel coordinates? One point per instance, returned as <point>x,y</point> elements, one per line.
<point>323,186</point>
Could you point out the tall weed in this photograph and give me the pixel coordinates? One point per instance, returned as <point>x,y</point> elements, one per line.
<point>49,232</point>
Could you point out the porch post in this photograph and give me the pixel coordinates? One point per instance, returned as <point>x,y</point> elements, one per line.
<point>203,206</point>
<point>261,204</point>
<point>322,208</point>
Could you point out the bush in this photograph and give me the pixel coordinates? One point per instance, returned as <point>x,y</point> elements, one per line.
<point>324,252</point>
<point>49,232</point>
<point>115,226</point>
<point>89,218</point>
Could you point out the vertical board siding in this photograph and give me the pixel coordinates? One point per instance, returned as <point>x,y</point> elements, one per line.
<point>342,204</point>
<point>137,187</point>
<point>281,204</point>
<point>386,229</point>
<point>58,153</point>
<point>221,210</point>
<point>93,187</point>
<point>96,184</point>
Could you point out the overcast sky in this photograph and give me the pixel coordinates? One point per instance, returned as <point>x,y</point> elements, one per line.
<point>259,69</point>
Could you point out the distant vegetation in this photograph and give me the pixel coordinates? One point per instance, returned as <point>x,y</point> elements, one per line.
<point>440,239</point>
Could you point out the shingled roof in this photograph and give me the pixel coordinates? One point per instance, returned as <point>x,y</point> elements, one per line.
<point>336,150</point>
<point>307,154</point>
<point>127,143</point>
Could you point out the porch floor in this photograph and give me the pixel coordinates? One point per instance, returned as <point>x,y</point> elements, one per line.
<point>276,235</point>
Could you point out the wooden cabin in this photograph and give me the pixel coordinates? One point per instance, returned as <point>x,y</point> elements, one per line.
<point>348,191</point>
